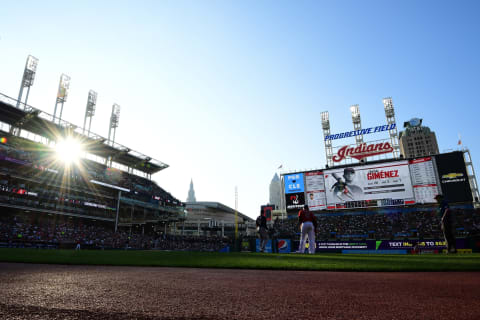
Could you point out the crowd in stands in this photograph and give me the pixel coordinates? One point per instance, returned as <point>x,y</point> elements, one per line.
<point>396,225</point>
<point>30,176</point>
<point>19,231</point>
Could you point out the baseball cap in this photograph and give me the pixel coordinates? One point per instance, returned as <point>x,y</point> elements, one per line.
<point>438,196</point>
<point>351,170</point>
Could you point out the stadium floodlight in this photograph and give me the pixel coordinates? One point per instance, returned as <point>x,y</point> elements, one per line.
<point>390,115</point>
<point>90,109</point>
<point>325,116</point>
<point>326,133</point>
<point>355,110</point>
<point>28,78</point>
<point>357,123</point>
<point>62,95</point>
<point>114,121</point>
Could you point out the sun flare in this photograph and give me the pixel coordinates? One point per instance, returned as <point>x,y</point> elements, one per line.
<point>68,150</point>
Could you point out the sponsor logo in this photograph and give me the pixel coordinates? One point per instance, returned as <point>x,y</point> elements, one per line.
<point>452,175</point>
<point>362,151</point>
<point>282,244</point>
<point>294,199</point>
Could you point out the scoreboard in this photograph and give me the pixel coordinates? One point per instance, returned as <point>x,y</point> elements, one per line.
<point>392,183</point>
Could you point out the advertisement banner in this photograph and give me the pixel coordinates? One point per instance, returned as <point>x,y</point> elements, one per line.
<point>385,184</point>
<point>453,177</point>
<point>424,179</point>
<point>284,246</point>
<point>387,245</point>
<point>295,201</point>
<point>315,188</point>
<point>342,245</point>
<point>294,183</point>
<point>268,247</point>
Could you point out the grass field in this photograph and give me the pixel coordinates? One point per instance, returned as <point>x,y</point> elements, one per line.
<point>324,262</point>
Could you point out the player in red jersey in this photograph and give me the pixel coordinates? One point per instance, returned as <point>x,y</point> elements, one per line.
<point>308,227</point>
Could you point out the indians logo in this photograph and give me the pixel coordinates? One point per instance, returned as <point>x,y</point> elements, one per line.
<point>362,151</point>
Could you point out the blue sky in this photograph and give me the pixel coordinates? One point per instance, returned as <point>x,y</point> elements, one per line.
<point>226,91</point>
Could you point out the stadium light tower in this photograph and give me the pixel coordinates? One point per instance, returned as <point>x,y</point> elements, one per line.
<point>326,132</point>
<point>90,110</point>
<point>390,115</point>
<point>357,123</point>
<point>114,121</point>
<point>62,95</point>
<point>27,79</point>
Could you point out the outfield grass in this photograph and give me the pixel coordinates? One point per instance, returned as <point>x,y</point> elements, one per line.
<point>324,262</point>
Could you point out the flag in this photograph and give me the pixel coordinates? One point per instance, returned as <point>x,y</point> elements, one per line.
<point>281,166</point>
<point>459,139</point>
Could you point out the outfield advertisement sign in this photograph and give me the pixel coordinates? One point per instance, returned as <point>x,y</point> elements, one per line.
<point>283,245</point>
<point>386,245</point>
<point>341,245</point>
<point>379,185</point>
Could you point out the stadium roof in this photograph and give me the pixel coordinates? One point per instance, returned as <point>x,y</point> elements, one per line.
<point>215,206</point>
<point>41,123</point>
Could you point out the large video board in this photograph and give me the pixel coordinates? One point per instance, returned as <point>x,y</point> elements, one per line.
<point>315,190</point>
<point>453,177</point>
<point>379,185</point>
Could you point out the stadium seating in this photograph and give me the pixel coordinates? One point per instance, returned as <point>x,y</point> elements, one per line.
<point>400,224</point>
<point>31,178</point>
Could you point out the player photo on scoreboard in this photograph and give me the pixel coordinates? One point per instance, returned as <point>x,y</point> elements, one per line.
<point>315,189</point>
<point>369,182</point>
<point>316,200</point>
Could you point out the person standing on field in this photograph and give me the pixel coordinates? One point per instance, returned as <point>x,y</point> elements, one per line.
<point>308,227</point>
<point>447,223</point>
<point>261,223</point>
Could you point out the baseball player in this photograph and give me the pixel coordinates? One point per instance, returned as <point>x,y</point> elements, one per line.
<point>447,223</point>
<point>308,226</point>
<point>261,223</point>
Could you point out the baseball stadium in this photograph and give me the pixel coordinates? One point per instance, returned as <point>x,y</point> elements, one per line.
<point>86,233</point>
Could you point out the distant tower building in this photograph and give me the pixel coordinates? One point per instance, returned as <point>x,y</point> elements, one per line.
<point>191,193</point>
<point>417,140</point>
<point>275,191</point>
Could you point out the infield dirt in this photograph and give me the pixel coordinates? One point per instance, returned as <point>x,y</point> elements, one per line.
<point>33,291</point>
